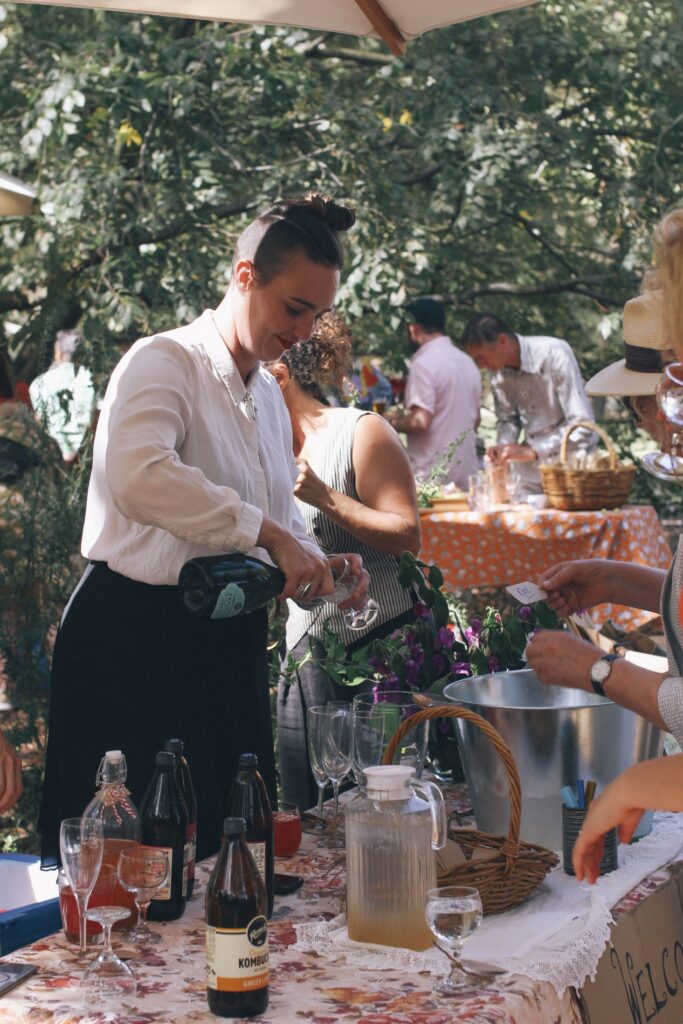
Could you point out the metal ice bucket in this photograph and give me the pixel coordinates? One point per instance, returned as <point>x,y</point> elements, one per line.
<point>556,735</point>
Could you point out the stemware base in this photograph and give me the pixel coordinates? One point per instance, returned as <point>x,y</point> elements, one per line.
<point>108,985</point>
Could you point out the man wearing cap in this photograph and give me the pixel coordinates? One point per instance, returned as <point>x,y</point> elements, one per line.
<point>442,398</point>
<point>537,391</point>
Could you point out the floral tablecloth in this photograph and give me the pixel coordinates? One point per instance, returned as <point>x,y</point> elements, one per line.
<point>509,545</point>
<point>304,987</point>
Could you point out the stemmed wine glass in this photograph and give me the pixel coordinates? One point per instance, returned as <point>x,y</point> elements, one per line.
<point>143,870</point>
<point>81,845</point>
<point>664,465</point>
<point>345,582</point>
<point>108,984</point>
<point>453,912</point>
<point>315,757</point>
<point>330,732</point>
<point>368,741</point>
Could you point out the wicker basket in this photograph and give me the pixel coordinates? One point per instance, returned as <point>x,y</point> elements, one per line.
<point>585,490</point>
<point>510,869</point>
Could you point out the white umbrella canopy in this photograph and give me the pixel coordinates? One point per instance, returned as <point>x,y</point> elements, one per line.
<point>396,21</point>
<point>16,198</point>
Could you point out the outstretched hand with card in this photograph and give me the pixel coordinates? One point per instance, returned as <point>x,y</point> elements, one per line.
<point>572,587</point>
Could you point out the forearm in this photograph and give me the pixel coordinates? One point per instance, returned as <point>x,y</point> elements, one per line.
<point>636,586</point>
<point>655,785</point>
<point>410,422</point>
<point>637,689</point>
<point>392,532</point>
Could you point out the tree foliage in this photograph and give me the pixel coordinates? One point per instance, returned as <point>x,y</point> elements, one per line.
<point>516,163</point>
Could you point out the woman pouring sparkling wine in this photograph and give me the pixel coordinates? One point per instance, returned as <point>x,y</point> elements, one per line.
<point>192,457</point>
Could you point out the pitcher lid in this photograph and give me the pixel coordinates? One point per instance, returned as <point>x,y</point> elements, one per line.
<point>388,781</point>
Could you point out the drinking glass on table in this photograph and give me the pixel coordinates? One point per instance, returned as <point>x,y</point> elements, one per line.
<point>453,912</point>
<point>81,845</point>
<point>665,465</point>
<point>333,729</point>
<point>108,985</point>
<point>144,871</point>
<point>313,735</point>
<point>286,828</point>
<point>368,740</point>
<point>101,895</point>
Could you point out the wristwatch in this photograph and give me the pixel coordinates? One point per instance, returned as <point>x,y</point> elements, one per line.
<point>600,672</point>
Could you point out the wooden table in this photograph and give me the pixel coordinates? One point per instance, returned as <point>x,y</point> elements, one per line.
<point>511,544</point>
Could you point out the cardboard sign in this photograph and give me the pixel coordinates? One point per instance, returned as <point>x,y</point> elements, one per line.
<point>640,974</point>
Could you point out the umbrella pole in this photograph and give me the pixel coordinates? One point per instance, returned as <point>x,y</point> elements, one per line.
<point>383,25</point>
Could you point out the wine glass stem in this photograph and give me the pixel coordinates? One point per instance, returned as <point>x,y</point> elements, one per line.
<point>108,950</point>
<point>321,801</point>
<point>82,905</point>
<point>142,907</point>
<point>335,790</point>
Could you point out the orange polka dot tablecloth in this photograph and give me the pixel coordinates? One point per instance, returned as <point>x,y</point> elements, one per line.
<point>509,545</point>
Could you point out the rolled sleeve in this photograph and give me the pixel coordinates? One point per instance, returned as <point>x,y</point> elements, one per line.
<point>421,389</point>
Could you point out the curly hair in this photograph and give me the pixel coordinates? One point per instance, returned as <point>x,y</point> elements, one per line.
<point>310,223</point>
<point>668,248</point>
<point>324,362</point>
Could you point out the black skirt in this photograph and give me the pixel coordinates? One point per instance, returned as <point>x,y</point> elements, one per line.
<point>131,669</point>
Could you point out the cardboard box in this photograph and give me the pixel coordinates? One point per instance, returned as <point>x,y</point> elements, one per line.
<point>640,974</point>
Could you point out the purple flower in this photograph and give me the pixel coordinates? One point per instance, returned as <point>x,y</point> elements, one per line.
<point>421,610</point>
<point>439,664</point>
<point>386,688</point>
<point>525,612</point>
<point>494,663</point>
<point>461,668</point>
<point>476,625</point>
<point>379,665</point>
<point>471,637</point>
<point>417,654</point>
<point>444,638</point>
<point>412,672</point>
<point>410,637</point>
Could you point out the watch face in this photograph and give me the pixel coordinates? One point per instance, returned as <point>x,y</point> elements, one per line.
<point>601,670</point>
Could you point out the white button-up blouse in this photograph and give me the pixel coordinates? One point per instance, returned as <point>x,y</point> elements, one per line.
<point>187,459</point>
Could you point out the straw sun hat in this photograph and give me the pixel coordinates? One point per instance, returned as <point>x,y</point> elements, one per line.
<point>639,372</point>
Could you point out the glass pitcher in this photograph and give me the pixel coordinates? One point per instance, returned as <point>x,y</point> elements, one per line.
<point>392,833</point>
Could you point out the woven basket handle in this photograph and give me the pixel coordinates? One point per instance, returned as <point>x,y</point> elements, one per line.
<point>511,845</point>
<point>605,438</point>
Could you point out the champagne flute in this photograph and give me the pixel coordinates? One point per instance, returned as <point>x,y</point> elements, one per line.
<point>336,751</point>
<point>143,870</point>
<point>314,740</point>
<point>108,985</point>
<point>453,912</point>
<point>81,845</point>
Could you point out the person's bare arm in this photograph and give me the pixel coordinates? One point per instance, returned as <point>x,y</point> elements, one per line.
<point>415,421</point>
<point>386,517</point>
<point>573,586</point>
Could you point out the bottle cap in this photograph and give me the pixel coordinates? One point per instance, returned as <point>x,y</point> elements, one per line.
<point>248,761</point>
<point>112,768</point>
<point>234,826</point>
<point>175,746</point>
<point>165,759</point>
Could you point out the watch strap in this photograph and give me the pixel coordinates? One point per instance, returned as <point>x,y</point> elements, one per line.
<point>595,683</point>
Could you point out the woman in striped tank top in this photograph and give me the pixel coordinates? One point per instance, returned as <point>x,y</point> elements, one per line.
<point>356,492</point>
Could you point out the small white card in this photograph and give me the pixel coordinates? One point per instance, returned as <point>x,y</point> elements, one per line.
<point>527,592</point>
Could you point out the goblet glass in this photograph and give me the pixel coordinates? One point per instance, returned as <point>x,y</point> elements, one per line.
<point>108,985</point>
<point>143,870</point>
<point>368,741</point>
<point>345,582</point>
<point>669,465</point>
<point>333,730</point>
<point>453,912</point>
<point>81,845</point>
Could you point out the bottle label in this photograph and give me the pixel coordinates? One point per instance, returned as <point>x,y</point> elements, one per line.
<point>237,958</point>
<point>258,852</point>
<point>230,602</point>
<point>164,893</point>
<point>192,849</point>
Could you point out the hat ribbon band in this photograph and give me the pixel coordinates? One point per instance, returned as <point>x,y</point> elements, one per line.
<point>642,360</point>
